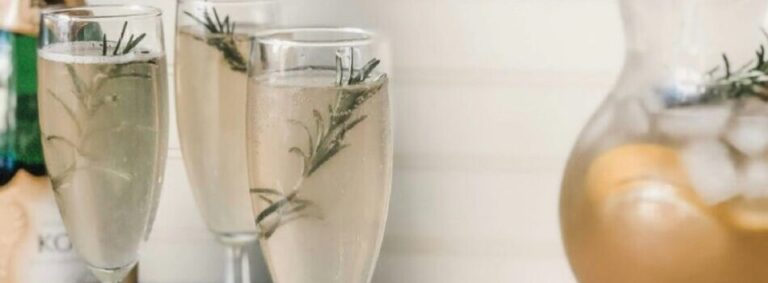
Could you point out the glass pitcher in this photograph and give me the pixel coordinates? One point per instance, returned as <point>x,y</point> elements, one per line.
<point>668,183</point>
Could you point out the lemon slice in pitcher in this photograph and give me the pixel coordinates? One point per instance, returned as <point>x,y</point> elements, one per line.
<point>748,214</point>
<point>615,170</point>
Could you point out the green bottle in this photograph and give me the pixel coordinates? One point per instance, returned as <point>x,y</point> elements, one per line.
<point>20,145</point>
<point>34,245</point>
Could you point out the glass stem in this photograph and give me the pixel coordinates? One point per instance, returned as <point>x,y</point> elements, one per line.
<point>237,265</point>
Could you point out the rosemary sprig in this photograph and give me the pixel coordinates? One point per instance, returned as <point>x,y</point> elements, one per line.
<point>224,40</point>
<point>90,99</point>
<point>130,44</point>
<point>325,142</point>
<point>329,135</point>
<point>749,80</point>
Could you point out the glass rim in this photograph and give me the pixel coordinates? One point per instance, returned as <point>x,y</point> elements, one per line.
<point>271,37</point>
<point>130,12</point>
<point>214,2</point>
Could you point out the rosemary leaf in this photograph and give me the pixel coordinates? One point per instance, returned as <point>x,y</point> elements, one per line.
<point>275,207</point>
<point>119,41</point>
<point>265,191</point>
<point>323,158</point>
<point>351,68</point>
<point>267,200</point>
<point>218,21</point>
<point>203,23</point>
<point>104,45</point>
<point>130,40</point>
<point>208,20</point>
<point>298,151</point>
<point>328,139</point>
<point>354,123</point>
<point>224,40</point>
<point>79,84</point>
<point>68,110</point>
<point>134,43</point>
<point>53,138</point>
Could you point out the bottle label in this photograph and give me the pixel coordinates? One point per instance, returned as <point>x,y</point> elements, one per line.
<point>34,247</point>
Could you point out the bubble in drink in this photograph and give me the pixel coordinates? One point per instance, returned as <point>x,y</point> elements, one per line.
<point>749,135</point>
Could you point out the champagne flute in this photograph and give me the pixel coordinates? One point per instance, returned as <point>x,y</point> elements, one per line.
<point>212,47</point>
<point>103,115</point>
<point>319,152</point>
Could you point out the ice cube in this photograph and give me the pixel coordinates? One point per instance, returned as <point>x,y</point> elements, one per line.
<point>754,179</point>
<point>749,135</point>
<point>711,170</point>
<point>694,122</point>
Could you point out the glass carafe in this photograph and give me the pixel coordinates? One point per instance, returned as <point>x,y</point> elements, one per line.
<point>668,183</point>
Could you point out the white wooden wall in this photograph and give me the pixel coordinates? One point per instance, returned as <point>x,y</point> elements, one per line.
<point>489,96</point>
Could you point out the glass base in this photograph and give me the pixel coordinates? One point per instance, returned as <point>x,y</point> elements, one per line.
<point>112,275</point>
